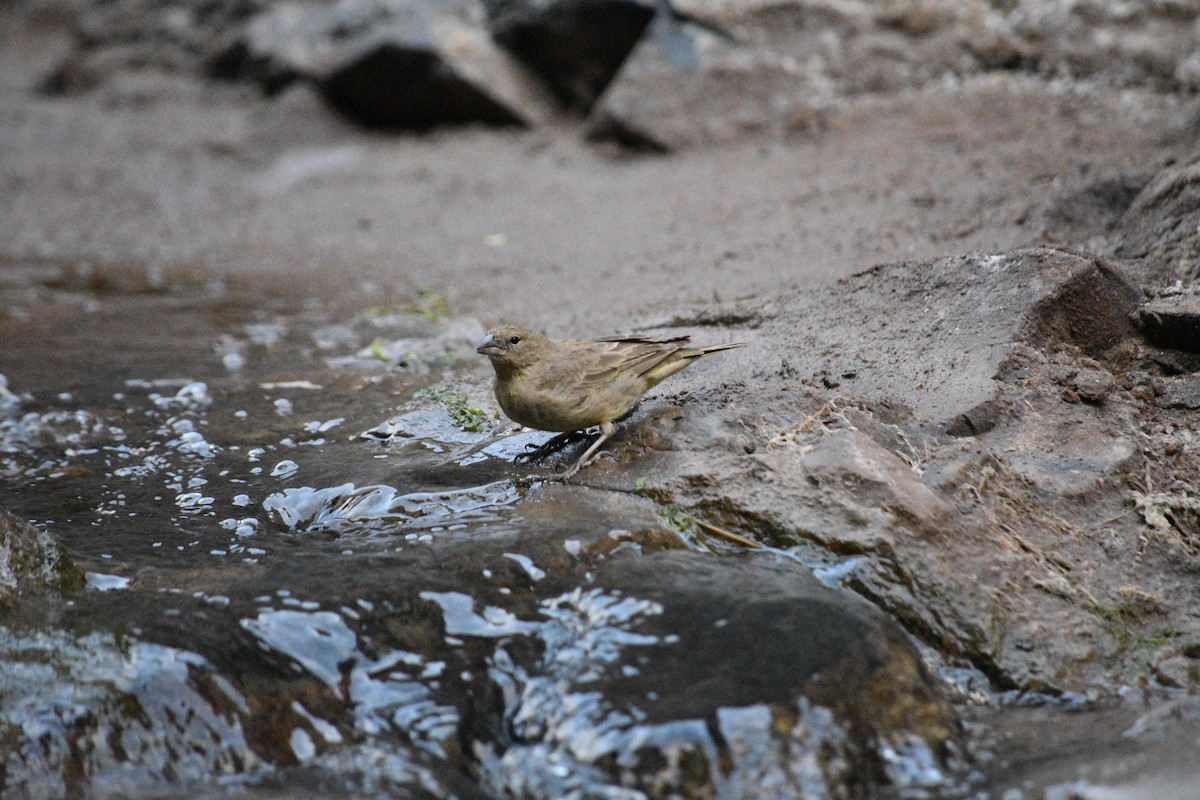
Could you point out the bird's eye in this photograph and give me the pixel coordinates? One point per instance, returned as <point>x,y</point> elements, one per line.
<point>514,340</point>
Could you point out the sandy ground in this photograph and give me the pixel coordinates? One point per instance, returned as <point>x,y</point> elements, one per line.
<point>153,172</point>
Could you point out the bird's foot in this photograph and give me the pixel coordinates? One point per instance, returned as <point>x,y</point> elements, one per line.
<point>528,481</point>
<point>591,454</point>
<point>550,446</point>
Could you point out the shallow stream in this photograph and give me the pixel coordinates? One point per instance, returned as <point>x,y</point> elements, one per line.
<point>312,568</point>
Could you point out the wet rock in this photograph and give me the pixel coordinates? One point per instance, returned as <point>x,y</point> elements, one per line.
<point>422,347</point>
<point>704,687</point>
<point>1161,230</point>
<point>1172,321</point>
<point>576,657</point>
<point>362,508</point>
<point>390,64</point>
<point>32,562</point>
<point>576,46</point>
<point>854,466</point>
<point>92,715</point>
<point>717,630</point>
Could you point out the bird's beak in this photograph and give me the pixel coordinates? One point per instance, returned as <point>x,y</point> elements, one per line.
<point>487,345</point>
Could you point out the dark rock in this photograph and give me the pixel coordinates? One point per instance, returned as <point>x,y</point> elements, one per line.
<point>389,65</point>
<point>1181,393</point>
<point>401,85</point>
<point>1172,321</point>
<point>1175,362</point>
<point>32,562</point>
<point>980,419</point>
<point>239,60</point>
<point>75,74</point>
<point>775,656</point>
<point>1091,311</point>
<point>113,37</point>
<point>576,46</point>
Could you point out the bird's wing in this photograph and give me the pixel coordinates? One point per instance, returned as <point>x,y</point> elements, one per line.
<point>618,358</point>
<point>644,339</point>
<point>595,364</point>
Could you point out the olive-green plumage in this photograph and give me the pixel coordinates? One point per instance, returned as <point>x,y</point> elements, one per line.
<point>569,384</point>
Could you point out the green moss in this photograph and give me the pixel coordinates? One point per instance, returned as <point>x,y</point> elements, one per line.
<point>70,578</point>
<point>464,415</point>
<point>672,516</point>
<point>377,349</point>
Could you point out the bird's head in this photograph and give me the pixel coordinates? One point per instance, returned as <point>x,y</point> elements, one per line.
<point>510,348</point>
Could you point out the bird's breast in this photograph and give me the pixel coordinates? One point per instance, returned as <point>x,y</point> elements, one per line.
<point>556,409</point>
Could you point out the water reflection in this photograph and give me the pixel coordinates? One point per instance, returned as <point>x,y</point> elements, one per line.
<point>347,507</point>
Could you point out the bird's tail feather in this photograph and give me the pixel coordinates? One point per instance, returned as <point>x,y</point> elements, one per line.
<point>682,358</point>
<point>699,352</point>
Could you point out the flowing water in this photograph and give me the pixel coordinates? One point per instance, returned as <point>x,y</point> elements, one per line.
<point>312,569</point>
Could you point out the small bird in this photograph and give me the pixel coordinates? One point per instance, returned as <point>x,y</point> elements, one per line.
<point>568,385</point>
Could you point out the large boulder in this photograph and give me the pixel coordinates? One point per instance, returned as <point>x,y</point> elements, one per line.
<point>969,433</point>
<point>592,655</point>
<point>575,46</point>
<point>390,63</point>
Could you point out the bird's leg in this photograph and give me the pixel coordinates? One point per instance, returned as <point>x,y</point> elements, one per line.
<point>606,430</point>
<point>550,446</point>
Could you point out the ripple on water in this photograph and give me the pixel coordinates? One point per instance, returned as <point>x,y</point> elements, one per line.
<point>347,506</point>
<point>388,692</point>
<point>317,641</point>
<point>50,429</point>
<point>128,714</point>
